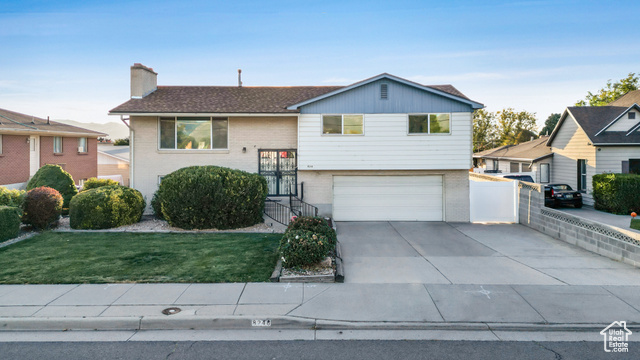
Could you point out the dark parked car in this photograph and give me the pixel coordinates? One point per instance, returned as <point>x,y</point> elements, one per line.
<point>561,194</point>
<point>519,177</point>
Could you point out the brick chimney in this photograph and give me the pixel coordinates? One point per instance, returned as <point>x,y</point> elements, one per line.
<point>144,81</point>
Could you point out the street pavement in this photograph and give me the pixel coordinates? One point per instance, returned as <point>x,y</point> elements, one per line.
<point>402,280</point>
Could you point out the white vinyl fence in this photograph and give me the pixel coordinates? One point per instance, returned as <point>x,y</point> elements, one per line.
<point>493,201</point>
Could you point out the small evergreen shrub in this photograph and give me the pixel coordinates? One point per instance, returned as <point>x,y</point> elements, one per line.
<point>42,207</point>
<point>617,193</point>
<point>11,197</point>
<point>302,247</point>
<point>106,207</point>
<point>9,222</point>
<point>55,177</point>
<point>93,183</point>
<point>316,225</point>
<point>203,197</point>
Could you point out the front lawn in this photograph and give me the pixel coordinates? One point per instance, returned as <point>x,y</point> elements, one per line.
<point>71,258</point>
<point>635,224</point>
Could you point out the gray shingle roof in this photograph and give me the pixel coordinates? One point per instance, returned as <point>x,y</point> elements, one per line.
<point>11,121</point>
<point>592,119</point>
<point>530,150</point>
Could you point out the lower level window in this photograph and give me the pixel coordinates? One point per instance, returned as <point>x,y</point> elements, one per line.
<point>57,144</point>
<point>582,175</point>
<point>193,133</point>
<point>544,173</point>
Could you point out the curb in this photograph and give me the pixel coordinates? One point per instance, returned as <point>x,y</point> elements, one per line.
<point>135,323</point>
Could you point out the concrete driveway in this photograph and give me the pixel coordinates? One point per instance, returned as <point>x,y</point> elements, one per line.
<point>474,254</point>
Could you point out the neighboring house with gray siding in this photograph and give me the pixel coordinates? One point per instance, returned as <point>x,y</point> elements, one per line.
<point>594,140</point>
<point>384,148</point>
<point>528,157</point>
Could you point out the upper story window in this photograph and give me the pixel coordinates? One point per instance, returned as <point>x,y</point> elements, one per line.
<point>57,144</point>
<point>82,145</point>
<point>430,124</point>
<point>193,133</point>
<point>343,124</point>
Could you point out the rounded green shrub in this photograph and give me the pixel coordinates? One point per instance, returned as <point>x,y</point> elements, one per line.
<point>55,177</point>
<point>302,247</point>
<point>106,207</point>
<point>617,193</point>
<point>9,222</point>
<point>42,207</point>
<point>11,197</point>
<point>204,197</point>
<point>93,183</point>
<point>316,225</point>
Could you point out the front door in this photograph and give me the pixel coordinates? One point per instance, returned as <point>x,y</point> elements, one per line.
<point>279,167</point>
<point>34,154</point>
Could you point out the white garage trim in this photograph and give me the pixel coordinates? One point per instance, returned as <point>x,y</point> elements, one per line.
<point>388,198</point>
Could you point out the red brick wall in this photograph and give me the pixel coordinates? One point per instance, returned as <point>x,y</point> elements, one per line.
<point>14,160</point>
<point>80,166</point>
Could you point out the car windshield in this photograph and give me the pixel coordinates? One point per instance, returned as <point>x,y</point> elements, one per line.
<point>561,187</point>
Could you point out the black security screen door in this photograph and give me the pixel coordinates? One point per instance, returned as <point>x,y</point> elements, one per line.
<point>279,167</point>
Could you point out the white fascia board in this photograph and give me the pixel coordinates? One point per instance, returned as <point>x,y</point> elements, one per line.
<point>209,114</point>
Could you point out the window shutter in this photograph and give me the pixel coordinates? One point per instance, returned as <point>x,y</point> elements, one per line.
<point>384,91</point>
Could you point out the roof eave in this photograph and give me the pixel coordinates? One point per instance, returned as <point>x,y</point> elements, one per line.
<point>617,118</point>
<point>50,132</point>
<point>473,104</point>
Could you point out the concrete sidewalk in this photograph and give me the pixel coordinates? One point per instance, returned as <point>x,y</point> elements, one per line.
<point>318,306</point>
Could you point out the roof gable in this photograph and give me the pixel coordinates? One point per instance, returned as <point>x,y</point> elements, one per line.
<point>445,91</point>
<point>614,124</point>
<point>593,119</point>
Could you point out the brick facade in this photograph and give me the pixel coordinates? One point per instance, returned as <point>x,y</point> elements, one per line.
<point>14,160</point>
<point>79,165</point>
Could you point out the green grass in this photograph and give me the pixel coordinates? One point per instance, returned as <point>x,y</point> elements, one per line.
<point>635,224</point>
<point>72,258</point>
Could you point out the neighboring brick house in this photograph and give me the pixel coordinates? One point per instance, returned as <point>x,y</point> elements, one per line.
<point>28,142</point>
<point>384,148</point>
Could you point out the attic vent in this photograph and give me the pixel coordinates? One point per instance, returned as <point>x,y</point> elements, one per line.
<point>384,91</point>
<point>632,115</point>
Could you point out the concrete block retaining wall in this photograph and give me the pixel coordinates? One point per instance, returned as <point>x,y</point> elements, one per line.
<point>610,241</point>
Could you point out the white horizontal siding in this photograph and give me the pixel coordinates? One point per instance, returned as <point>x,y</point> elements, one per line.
<point>570,144</point>
<point>385,145</point>
<point>610,158</point>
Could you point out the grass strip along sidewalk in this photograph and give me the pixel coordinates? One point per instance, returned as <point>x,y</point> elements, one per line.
<point>72,258</point>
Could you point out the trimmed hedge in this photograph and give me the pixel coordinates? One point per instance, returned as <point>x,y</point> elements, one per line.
<point>55,177</point>
<point>94,183</point>
<point>11,197</point>
<point>9,222</point>
<point>204,197</point>
<point>42,207</point>
<point>303,247</point>
<point>106,207</point>
<point>617,193</point>
<point>316,225</point>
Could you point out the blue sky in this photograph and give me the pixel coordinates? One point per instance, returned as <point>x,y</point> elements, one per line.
<point>71,59</point>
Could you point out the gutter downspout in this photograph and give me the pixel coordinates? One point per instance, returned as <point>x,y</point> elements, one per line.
<point>131,150</point>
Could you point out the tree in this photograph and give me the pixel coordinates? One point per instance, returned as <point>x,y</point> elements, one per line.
<point>611,92</point>
<point>484,130</point>
<point>550,124</point>
<point>515,127</point>
<point>121,142</point>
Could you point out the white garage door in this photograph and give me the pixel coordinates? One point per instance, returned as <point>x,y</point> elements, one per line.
<point>387,198</point>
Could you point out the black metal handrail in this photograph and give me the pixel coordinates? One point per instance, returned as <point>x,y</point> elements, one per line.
<point>278,212</point>
<point>301,208</point>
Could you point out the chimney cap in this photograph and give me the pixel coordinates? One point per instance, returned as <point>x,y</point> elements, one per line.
<point>142,67</point>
